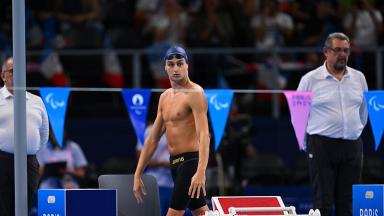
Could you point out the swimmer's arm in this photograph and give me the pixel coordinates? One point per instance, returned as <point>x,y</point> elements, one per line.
<point>199,109</point>
<point>150,145</point>
<point>151,142</point>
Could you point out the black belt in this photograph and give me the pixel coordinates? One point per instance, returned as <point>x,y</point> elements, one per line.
<point>330,139</point>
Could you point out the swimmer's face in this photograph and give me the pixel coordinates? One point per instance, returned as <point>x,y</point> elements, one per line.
<point>177,69</point>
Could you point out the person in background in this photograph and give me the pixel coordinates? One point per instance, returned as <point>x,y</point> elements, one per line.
<point>37,135</point>
<point>364,24</point>
<point>272,27</point>
<point>336,120</point>
<point>68,176</point>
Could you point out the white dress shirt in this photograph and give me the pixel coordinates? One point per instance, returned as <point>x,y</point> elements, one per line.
<point>338,106</point>
<point>37,122</point>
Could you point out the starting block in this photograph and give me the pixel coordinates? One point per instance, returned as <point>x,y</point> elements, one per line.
<point>223,204</point>
<point>253,205</point>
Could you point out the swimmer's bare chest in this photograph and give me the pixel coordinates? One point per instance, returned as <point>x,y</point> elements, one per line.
<point>179,123</point>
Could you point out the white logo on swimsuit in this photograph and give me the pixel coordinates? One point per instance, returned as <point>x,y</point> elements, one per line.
<point>376,105</point>
<point>52,102</point>
<point>218,106</point>
<point>138,101</point>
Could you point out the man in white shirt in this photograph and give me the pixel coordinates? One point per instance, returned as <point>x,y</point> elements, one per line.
<point>337,118</point>
<point>37,135</point>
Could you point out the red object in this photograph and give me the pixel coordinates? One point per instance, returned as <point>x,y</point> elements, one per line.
<point>114,80</point>
<point>113,72</point>
<point>163,83</point>
<point>59,79</point>
<point>222,204</point>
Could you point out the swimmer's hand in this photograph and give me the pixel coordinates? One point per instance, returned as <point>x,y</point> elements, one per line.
<point>139,189</point>
<point>197,185</point>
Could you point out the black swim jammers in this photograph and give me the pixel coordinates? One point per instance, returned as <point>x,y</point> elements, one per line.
<point>183,167</point>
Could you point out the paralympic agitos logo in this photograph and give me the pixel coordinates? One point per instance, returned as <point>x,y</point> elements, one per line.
<point>54,103</point>
<point>377,106</point>
<point>214,100</point>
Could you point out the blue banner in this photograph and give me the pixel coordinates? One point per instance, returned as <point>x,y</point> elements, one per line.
<point>55,100</point>
<point>375,104</point>
<point>219,104</point>
<point>137,101</point>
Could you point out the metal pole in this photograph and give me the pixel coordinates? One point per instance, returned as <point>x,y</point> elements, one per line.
<point>136,71</point>
<point>275,78</point>
<point>20,128</point>
<point>379,69</point>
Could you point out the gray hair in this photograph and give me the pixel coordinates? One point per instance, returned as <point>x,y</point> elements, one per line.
<point>337,35</point>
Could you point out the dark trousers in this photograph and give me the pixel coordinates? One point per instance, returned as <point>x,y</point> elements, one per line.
<point>334,166</point>
<point>7,182</point>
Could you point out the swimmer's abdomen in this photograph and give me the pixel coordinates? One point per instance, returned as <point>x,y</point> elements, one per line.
<point>181,136</point>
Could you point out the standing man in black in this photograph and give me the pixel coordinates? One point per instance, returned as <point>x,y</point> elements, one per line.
<point>337,118</point>
<point>37,135</point>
